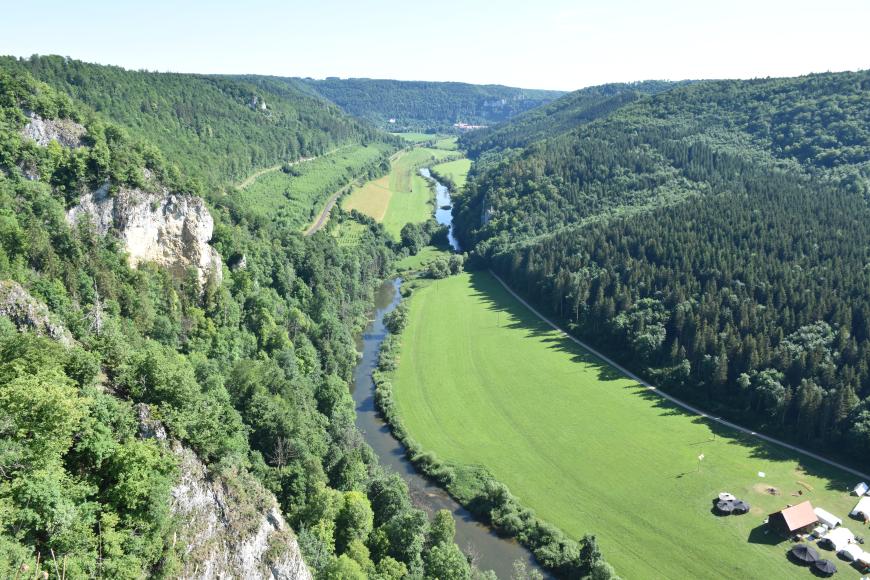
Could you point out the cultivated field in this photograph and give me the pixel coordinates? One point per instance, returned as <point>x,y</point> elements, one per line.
<point>482,381</point>
<point>402,196</point>
<point>299,196</point>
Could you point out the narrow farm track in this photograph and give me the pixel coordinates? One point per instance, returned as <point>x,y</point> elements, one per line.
<point>324,215</point>
<point>672,399</point>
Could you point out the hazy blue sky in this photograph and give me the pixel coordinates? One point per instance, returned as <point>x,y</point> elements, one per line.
<point>530,43</point>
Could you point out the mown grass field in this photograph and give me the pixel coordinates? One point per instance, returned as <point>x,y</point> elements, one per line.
<point>402,196</point>
<point>299,196</point>
<point>456,170</point>
<point>482,381</point>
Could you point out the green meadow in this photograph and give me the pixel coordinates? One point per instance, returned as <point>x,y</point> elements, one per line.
<point>483,382</point>
<point>300,195</point>
<point>402,196</point>
<point>456,171</point>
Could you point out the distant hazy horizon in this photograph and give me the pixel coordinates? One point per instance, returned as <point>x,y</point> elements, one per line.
<point>551,44</point>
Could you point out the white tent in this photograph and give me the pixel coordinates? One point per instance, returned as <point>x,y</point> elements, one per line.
<point>839,538</point>
<point>827,518</point>
<point>861,489</point>
<point>852,552</point>
<point>862,508</point>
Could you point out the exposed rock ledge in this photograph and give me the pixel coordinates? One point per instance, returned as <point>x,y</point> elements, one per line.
<point>229,525</point>
<point>169,229</point>
<point>28,313</point>
<point>65,131</point>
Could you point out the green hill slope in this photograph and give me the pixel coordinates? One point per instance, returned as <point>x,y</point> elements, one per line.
<point>714,237</point>
<point>219,129</point>
<point>561,115</point>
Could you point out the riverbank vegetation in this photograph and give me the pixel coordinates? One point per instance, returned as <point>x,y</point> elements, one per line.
<point>480,389</point>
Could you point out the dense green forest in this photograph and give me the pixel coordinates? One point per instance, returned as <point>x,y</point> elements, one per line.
<point>426,106</point>
<point>713,237</point>
<point>560,116</point>
<point>218,129</point>
<point>252,373</point>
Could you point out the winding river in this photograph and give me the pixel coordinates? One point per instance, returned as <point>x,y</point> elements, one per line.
<point>490,551</point>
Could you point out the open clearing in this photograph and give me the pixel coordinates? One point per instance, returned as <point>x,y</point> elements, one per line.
<point>402,196</point>
<point>482,381</point>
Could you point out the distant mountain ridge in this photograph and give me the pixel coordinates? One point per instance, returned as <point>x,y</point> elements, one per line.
<point>427,105</point>
<point>563,114</point>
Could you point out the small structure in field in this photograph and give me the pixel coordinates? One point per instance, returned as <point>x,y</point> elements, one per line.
<point>794,519</point>
<point>861,489</point>
<point>804,554</point>
<point>838,539</point>
<point>824,567</point>
<point>827,518</point>
<point>862,509</point>
<point>852,552</point>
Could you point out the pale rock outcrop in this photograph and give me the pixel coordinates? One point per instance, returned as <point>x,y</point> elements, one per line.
<point>65,131</point>
<point>169,229</point>
<point>28,313</point>
<point>229,525</point>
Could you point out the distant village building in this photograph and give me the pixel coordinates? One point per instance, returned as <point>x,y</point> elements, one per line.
<point>392,120</point>
<point>467,127</point>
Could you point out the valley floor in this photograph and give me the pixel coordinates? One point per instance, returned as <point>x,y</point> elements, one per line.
<point>402,196</point>
<point>483,381</point>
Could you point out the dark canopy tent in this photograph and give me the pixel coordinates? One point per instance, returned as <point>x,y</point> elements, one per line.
<point>804,554</point>
<point>825,567</point>
<point>741,507</point>
<point>725,507</point>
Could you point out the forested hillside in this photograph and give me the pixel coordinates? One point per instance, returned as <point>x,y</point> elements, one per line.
<point>218,129</point>
<point>561,115</point>
<point>714,238</point>
<point>427,106</point>
<point>251,373</point>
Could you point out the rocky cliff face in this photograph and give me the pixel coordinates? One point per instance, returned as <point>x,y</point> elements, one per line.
<point>28,313</point>
<point>169,229</point>
<point>229,525</point>
<point>66,132</point>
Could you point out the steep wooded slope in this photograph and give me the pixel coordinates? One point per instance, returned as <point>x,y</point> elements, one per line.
<point>714,237</point>
<point>219,129</point>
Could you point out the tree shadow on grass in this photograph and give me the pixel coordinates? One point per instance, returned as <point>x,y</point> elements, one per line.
<point>516,316</point>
